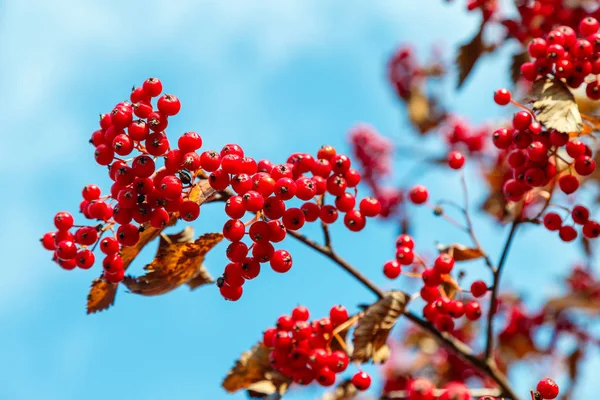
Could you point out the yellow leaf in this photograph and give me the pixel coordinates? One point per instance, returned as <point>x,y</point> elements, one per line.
<point>555,106</point>
<point>423,111</point>
<point>176,263</point>
<point>373,328</point>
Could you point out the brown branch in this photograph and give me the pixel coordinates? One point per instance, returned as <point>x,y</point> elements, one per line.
<point>460,348</point>
<point>489,344</point>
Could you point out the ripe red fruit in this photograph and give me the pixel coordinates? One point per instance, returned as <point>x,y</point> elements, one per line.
<point>547,388</point>
<point>361,380</point>
<point>300,313</point>
<point>405,255</point>
<point>370,207</point>
<point>328,214</point>
<point>152,87</point>
<point>567,233</point>
<point>585,165</point>
<point>588,26</point>
<point>115,277</point>
<point>250,268</point>
<point>293,219</point>
<point>237,251</point>
<point>253,201</point>
<point>521,120</point>
<point>189,141</point>
<point>63,221</point>
<point>418,194</point>
<point>576,148</point>
<point>112,263</point>
<point>354,220</point>
<point>568,184</point>
<point>210,160</point>
<point>345,202</point>
<point>338,315</point>
<point>231,293</point>
<point>456,160</point>
<point>443,264</point>
<point>48,241</point>
<point>591,229</point>
<point>552,221</point>
<point>85,259</point>
<point>168,104</point>
<point>502,96</point>
<point>325,376</point>
<point>66,250</point>
<point>189,210</point>
<point>263,252</point>
<point>537,151</point>
<point>234,230</point>
<point>472,310</point>
<point>392,269</point>
<point>580,214</point>
<point>91,192</point>
<point>281,261</point>
<point>478,288</point>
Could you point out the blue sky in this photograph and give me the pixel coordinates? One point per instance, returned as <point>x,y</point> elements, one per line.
<point>276,77</point>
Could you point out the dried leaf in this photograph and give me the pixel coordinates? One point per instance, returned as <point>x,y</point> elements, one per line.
<point>555,106</point>
<point>253,371</point>
<point>201,192</point>
<point>449,286</point>
<point>345,390</point>
<point>578,300</point>
<point>467,56</point>
<point>373,328</point>
<point>175,264</point>
<point>102,295</point>
<point>461,252</point>
<point>335,342</point>
<point>518,59</point>
<point>423,112</point>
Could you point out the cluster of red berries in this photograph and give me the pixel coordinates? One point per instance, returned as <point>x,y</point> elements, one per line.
<point>439,310</point>
<point>141,194</point>
<point>460,134</point>
<point>403,70</point>
<point>372,151</point>
<point>532,152</point>
<point>266,190</point>
<point>565,55</point>
<point>580,216</point>
<point>541,16</point>
<point>302,351</point>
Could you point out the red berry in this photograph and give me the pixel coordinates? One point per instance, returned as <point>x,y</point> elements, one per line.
<point>591,229</point>
<point>233,275</point>
<point>112,263</point>
<point>370,207</point>
<point>567,233</point>
<point>421,389</point>
<point>293,219</point>
<point>537,151</point>
<point>568,184</point>
<point>325,376</point>
<point>250,268</point>
<point>585,165</point>
<point>328,214</point>
<point>189,210</point>
<point>189,141</point>
<point>456,160</point>
<point>338,315</point>
<point>152,87</point>
<point>91,192</point>
<point>305,189</point>
<point>443,264</point>
<point>580,214</point>
<point>552,221</point>
<point>85,259</point>
<point>168,104</point>
<point>405,255</point>
<point>48,241</point>
<point>237,251</point>
<point>63,221</point>
<point>253,201</point>
<point>234,230</point>
<point>115,277</point>
<point>472,310</point>
<point>345,202</point>
<point>281,261</point>
<point>502,96</point>
<point>547,388</point>
<point>300,313</point>
<point>354,220</point>
<point>392,269</point>
<point>66,250</point>
<point>231,293</point>
<point>588,26</point>
<point>361,380</point>
<point>234,207</point>
<point>418,194</point>
<point>129,235</point>
<point>269,336</point>
<point>576,148</point>
<point>210,160</point>
<point>260,232</point>
<point>478,288</point>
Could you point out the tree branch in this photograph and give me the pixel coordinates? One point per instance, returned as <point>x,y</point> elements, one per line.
<point>457,346</point>
<point>489,344</point>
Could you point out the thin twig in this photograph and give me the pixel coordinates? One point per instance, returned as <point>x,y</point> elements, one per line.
<point>326,234</point>
<point>489,344</point>
<point>328,252</point>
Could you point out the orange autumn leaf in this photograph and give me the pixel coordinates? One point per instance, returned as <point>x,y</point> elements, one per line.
<point>461,252</point>
<point>176,263</point>
<point>101,296</point>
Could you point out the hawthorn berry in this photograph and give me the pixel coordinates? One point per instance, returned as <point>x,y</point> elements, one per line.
<point>478,288</point>
<point>502,96</point>
<point>281,261</point>
<point>418,194</point>
<point>547,388</point>
<point>361,380</point>
<point>456,160</point>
